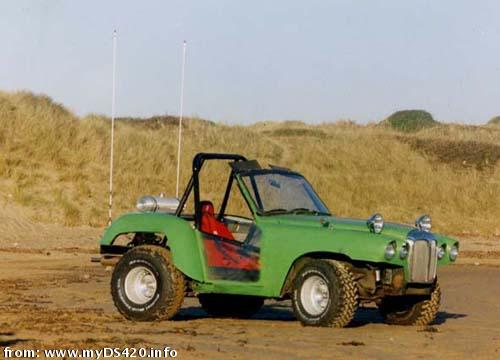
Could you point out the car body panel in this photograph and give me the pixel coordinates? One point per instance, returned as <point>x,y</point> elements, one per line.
<point>284,240</point>
<point>182,240</point>
<point>225,266</point>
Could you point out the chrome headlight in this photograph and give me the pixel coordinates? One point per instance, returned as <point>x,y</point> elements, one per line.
<point>454,252</point>
<point>424,223</point>
<point>405,250</point>
<point>375,223</point>
<point>390,250</point>
<point>441,252</point>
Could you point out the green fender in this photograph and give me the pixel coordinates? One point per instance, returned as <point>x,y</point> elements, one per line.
<point>285,245</point>
<point>184,246</point>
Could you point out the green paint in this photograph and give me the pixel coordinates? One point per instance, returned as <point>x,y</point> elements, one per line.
<point>182,240</point>
<point>284,240</point>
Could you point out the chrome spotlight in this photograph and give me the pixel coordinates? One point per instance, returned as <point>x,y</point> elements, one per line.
<point>375,223</point>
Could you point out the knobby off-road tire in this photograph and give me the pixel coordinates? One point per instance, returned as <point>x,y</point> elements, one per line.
<point>146,286</point>
<point>236,306</point>
<point>410,310</point>
<point>324,294</point>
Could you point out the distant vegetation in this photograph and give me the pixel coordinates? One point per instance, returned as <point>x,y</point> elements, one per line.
<point>56,164</point>
<point>158,122</point>
<point>459,153</point>
<point>494,121</point>
<point>296,132</point>
<point>410,120</point>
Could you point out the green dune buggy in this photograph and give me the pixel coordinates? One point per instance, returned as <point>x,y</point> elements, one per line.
<point>285,245</point>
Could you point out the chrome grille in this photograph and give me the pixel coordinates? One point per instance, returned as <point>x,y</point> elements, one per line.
<point>422,261</point>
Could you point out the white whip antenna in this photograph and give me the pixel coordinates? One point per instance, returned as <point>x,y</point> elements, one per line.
<point>180,119</point>
<point>111,156</point>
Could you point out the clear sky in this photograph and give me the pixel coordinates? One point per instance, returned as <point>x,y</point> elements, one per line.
<point>259,60</point>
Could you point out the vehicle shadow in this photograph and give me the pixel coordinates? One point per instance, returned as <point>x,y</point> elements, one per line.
<point>283,312</point>
<point>443,316</point>
<point>6,341</point>
<point>275,312</point>
<point>365,316</point>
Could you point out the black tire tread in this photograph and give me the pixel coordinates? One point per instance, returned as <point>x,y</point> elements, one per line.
<point>422,313</point>
<point>429,308</point>
<point>178,281</point>
<point>349,293</point>
<point>345,303</point>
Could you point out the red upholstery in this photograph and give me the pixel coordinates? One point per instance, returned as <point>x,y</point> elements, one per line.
<point>210,225</point>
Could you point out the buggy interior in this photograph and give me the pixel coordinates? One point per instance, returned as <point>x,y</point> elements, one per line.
<point>233,220</point>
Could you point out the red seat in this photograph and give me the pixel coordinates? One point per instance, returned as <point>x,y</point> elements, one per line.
<point>210,225</point>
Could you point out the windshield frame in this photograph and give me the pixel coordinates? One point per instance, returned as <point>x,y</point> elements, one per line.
<point>254,202</point>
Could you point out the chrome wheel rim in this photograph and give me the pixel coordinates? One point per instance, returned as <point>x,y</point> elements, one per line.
<point>315,295</point>
<point>140,285</point>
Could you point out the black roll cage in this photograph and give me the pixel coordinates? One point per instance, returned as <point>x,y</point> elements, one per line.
<point>194,183</point>
<point>239,165</point>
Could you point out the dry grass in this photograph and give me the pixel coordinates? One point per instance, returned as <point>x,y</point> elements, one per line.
<point>57,164</point>
<point>480,155</point>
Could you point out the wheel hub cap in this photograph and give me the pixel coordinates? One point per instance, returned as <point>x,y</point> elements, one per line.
<point>140,285</point>
<point>314,295</point>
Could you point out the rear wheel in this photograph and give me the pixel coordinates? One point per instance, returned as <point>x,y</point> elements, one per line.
<point>238,306</point>
<point>146,286</point>
<point>324,294</point>
<point>411,310</point>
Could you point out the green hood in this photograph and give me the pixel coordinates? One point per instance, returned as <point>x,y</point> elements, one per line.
<point>391,231</point>
<point>397,231</point>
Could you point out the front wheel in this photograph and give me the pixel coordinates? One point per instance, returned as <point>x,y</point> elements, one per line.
<point>325,294</point>
<point>411,310</point>
<point>146,286</point>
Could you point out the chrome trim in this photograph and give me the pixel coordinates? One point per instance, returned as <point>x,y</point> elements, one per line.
<point>424,223</point>
<point>422,260</point>
<point>417,234</point>
<point>454,252</point>
<point>150,203</point>
<point>375,223</point>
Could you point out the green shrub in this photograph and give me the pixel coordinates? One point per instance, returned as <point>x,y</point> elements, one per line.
<point>410,120</point>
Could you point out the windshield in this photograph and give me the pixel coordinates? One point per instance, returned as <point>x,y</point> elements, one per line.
<point>283,193</point>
